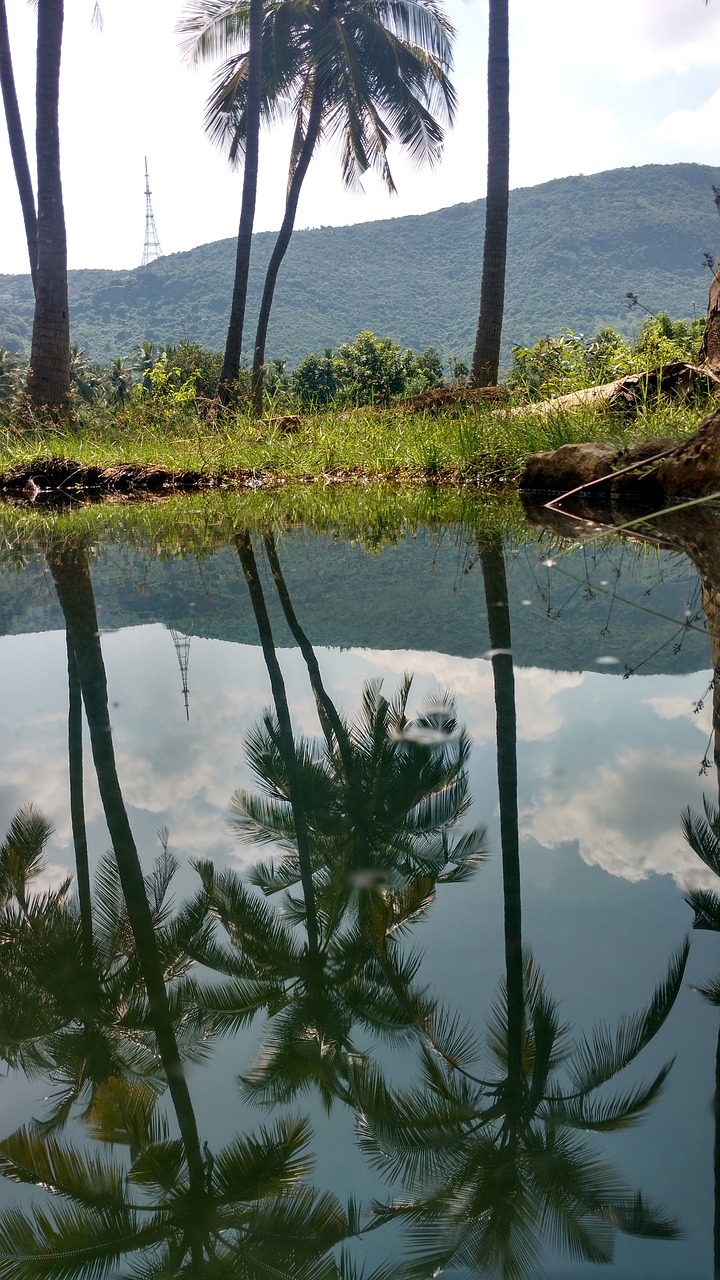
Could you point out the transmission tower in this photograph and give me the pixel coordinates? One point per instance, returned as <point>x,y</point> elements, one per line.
<point>151,248</point>
<point>182,649</point>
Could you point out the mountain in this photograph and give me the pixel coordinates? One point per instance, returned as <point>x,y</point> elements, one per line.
<point>576,247</point>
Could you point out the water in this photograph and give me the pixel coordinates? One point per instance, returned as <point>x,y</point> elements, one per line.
<point>596,679</point>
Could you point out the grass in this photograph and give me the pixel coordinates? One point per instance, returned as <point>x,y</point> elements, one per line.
<point>464,443</point>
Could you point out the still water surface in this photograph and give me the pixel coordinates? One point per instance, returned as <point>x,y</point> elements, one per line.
<point>457,760</point>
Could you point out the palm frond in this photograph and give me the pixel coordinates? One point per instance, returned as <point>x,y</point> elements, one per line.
<point>600,1057</point>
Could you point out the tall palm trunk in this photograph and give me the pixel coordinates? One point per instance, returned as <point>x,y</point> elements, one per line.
<point>244,546</point>
<point>331,722</point>
<point>77,807</point>
<point>16,138</point>
<point>492,562</point>
<point>233,345</point>
<point>312,133</point>
<point>49,373</point>
<point>716,1167</point>
<point>486,355</point>
<point>71,575</point>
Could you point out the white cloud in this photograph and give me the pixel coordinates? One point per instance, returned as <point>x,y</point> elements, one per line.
<point>625,817</point>
<point>697,127</point>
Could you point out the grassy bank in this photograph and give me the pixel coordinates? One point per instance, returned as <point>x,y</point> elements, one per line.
<point>463,443</point>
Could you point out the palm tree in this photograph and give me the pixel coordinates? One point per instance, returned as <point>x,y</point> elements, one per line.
<point>208,33</point>
<point>253,1215</point>
<point>371,74</point>
<point>73,1006</point>
<point>486,353</point>
<point>16,138</point>
<point>367,74</point>
<point>49,373</point>
<point>703,835</point>
<point>494,1166</point>
<point>364,823</point>
<point>399,785</point>
<point>314,996</point>
<point>68,563</point>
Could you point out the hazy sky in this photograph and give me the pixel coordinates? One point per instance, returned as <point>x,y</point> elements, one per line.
<point>594,86</point>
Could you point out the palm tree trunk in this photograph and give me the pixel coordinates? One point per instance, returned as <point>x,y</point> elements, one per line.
<point>16,138</point>
<point>492,562</point>
<point>244,546</point>
<point>716,1166</point>
<point>312,134</point>
<point>330,721</point>
<point>233,345</point>
<point>49,374</point>
<point>71,575</point>
<point>77,806</point>
<point>486,355</point>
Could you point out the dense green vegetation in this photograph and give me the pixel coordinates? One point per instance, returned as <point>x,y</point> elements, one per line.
<point>577,246</point>
<point>343,415</point>
<point>369,371</point>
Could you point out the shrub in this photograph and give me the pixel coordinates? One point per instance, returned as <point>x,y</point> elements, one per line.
<point>372,370</point>
<point>315,381</point>
<point>424,371</point>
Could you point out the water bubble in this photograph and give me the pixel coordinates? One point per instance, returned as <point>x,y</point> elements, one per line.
<point>526,601</point>
<point>369,878</point>
<point>607,660</point>
<point>424,735</point>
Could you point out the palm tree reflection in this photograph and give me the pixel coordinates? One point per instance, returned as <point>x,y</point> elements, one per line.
<point>75,1018</point>
<point>495,1166</point>
<point>176,1208</point>
<point>364,822</point>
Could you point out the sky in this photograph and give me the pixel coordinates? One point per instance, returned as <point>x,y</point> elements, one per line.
<point>593,87</point>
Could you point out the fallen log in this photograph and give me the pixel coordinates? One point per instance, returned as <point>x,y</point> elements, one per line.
<point>632,391</point>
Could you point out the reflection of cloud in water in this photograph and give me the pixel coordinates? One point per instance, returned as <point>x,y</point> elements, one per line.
<point>181,775</point>
<point>471,681</point>
<point>680,707</point>
<point>626,818</point>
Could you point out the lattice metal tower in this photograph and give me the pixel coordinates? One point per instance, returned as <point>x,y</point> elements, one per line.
<point>182,649</point>
<point>151,249</point>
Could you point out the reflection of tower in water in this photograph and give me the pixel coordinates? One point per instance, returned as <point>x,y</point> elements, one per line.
<point>182,649</point>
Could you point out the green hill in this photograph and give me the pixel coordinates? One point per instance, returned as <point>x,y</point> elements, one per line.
<point>576,247</point>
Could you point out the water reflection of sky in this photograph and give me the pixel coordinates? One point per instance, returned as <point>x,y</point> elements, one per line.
<point>605,764</point>
<point>605,767</point>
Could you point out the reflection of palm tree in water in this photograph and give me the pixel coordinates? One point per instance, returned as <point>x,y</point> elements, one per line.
<point>702,833</point>
<point>496,1165</point>
<point>363,821</point>
<point>245,1211</point>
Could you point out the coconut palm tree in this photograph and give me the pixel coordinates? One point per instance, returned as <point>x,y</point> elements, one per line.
<point>49,373</point>
<point>73,1006</point>
<point>253,1215</point>
<point>365,74</point>
<point>702,833</point>
<point>486,353</point>
<point>314,996</point>
<point>207,36</point>
<point>16,138</point>
<point>364,821</point>
<point>495,1166</point>
<point>493,1163</point>
<point>258,1215</point>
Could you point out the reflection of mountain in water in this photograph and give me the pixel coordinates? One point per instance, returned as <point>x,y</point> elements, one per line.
<point>424,592</point>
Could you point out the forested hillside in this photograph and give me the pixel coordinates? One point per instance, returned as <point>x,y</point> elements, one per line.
<point>576,247</point>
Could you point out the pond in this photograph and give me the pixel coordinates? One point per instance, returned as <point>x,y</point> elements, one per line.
<point>345,889</point>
